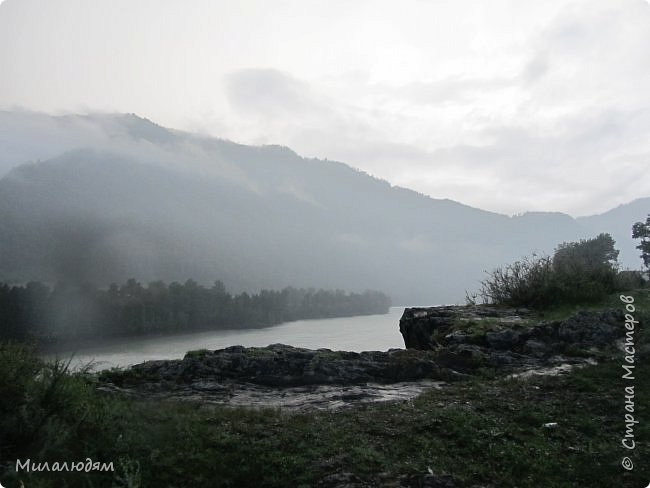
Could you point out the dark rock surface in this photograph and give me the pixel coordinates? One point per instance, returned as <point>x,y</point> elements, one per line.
<point>500,332</point>
<point>283,376</point>
<point>297,398</point>
<point>279,365</point>
<point>443,344</point>
<point>423,327</point>
<point>350,480</point>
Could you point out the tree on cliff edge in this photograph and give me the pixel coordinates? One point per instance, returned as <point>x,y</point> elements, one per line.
<point>641,230</point>
<point>586,270</point>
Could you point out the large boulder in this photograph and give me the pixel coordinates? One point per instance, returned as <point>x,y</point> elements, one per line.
<point>428,328</point>
<point>420,327</point>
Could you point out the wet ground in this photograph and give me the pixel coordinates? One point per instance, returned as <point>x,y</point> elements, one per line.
<point>319,397</point>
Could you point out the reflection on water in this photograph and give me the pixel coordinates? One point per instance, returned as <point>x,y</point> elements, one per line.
<point>366,333</point>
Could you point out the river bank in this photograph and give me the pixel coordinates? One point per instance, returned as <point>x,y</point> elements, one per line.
<point>446,344</point>
<point>491,422</point>
<point>359,333</point>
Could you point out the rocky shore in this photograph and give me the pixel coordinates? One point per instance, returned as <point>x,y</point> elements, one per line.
<point>443,344</point>
<point>465,338</point>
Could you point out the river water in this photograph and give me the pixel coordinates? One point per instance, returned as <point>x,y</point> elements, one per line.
<point>363,333</point>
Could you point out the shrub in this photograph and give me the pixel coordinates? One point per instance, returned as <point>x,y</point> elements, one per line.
<point>586,270</point>
<point>629,280</point>
<point>529,282</point>
<point>579,272</point>
<point>46,413</point>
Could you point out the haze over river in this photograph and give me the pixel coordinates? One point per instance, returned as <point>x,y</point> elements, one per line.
<point>362,333</point>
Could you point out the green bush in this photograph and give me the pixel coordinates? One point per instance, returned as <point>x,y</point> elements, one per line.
<point>529,282</point>
<point>629,280</point>
<point>579,272</point>
<point>586,270</point>
<point>46,414</point>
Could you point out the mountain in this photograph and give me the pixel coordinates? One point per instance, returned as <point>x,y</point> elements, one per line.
<point>101,198</point>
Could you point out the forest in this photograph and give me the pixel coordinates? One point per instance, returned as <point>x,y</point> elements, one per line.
<point>37,313</point>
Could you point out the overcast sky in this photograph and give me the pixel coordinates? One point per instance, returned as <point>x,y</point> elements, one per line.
<point>505,105</point>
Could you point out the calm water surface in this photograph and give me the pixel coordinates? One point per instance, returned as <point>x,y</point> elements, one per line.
<point>366,333</point>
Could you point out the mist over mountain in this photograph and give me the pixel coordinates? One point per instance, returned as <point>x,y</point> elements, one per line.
<point>101,198</point>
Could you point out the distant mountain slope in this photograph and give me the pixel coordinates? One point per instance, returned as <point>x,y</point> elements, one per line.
<point>30,136</point>
<point>137,200</point>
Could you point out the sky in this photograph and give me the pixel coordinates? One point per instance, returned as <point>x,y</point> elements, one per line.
<point>507,105</point>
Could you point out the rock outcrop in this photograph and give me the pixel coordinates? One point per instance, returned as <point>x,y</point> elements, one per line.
<point>283,376</point>
<point>279,365</point>
<point>485,331</point>
<point>424,327</point>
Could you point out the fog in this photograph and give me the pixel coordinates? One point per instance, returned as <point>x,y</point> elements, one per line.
<point>110,197</point>
<point>508,107</point>
<point>166,140</point>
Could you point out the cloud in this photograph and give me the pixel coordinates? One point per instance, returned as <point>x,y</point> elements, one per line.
<point>593,162</point>
<point>269,92</point>
<point>532,155</point>
<point>458,89</point>
<point>536,68</point>
<point>510,106</point>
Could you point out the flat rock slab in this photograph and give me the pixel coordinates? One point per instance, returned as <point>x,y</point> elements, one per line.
<point>283,366</point>
<point>317,397</point>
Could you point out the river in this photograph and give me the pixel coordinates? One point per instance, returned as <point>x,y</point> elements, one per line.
<point>362,333</point>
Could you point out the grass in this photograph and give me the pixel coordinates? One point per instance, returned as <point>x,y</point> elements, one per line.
<point>641,302</point>
<point>478,328</point>
<point>479,432</point>
<point>488,431</point>
<point>197,353</point>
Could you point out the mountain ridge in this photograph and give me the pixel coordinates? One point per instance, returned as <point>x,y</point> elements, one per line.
<point>141,200</point>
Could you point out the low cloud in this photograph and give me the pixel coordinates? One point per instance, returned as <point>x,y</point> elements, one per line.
<point>269,92</point>
<point>507,107</point>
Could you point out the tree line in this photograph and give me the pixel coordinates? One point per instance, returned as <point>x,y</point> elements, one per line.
<point>39,313</point>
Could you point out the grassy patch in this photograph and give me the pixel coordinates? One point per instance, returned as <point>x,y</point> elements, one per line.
<point>197,353</point>
<point>641,301</point>
<point>483,431</point>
